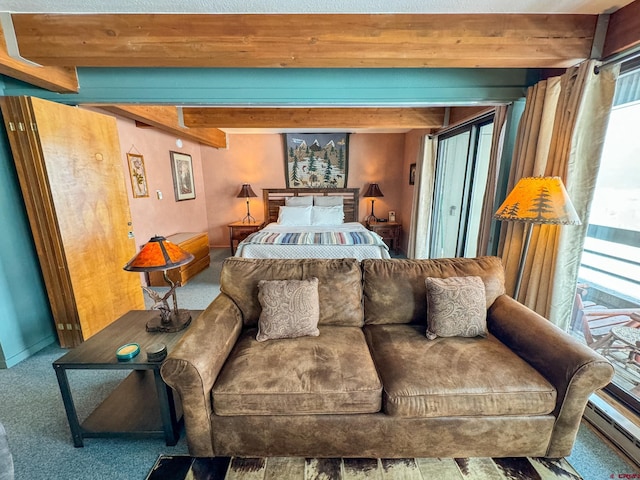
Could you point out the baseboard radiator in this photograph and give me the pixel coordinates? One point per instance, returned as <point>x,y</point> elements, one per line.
<point>615,426</point>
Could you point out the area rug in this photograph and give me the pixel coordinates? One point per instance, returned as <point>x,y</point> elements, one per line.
<point>292,468</point>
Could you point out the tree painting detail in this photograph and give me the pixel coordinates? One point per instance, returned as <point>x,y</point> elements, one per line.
<point>316,160</point>
<point>542,204</point>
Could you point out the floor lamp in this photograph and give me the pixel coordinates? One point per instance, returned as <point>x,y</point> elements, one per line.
<point>536,200</point>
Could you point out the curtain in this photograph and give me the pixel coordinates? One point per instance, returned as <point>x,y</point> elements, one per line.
<point>561,133</point>
<point>422,199</point>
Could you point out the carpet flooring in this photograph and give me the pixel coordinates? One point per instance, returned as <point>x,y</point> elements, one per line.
<point>225,468</point>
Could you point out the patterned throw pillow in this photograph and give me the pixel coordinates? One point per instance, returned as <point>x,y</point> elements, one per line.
<point>290,309</point>
<point>456,307</point>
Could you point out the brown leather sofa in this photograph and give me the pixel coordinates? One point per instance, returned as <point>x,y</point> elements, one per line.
<point>371,384</point>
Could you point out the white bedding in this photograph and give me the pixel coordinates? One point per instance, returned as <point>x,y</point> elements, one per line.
<point>359,252</point>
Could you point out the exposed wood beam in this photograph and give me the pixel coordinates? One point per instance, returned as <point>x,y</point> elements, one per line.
<point>56,79</point>
<point>294,40</point>
<point>166,118</point>
<point>201,117</point>
<point>624,29</point>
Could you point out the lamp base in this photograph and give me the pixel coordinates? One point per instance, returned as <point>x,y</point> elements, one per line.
<point>248,219</point>
<point>177,321</point>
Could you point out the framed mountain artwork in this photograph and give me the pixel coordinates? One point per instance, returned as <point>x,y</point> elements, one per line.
<point>316,160</point>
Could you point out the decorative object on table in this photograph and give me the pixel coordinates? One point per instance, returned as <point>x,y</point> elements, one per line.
<point>158,254</point>
<point>128,351</point>
<point>372,192</point>
<point>412,174</point>
<point>536,200</point>
<point>183,181</point>
<point>247,192</point>
<point>138,175</point>
<point>156,352</point>
<point>316,160</point>
<point>392,216</point>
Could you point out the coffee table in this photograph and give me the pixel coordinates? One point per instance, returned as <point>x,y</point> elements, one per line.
<point>142,405</point>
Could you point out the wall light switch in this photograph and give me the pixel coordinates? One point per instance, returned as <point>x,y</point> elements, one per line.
<point>159,194</point>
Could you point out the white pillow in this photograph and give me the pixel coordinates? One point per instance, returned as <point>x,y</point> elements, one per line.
<point>327,201</point>
<point>327,215</point>
<point>295,216</point>
<point>299,201</point>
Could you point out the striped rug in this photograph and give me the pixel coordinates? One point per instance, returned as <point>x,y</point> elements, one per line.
<point>279,468</point>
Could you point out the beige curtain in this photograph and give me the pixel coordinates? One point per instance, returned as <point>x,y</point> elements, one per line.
<point>422,199</point>
<point>561,134</point>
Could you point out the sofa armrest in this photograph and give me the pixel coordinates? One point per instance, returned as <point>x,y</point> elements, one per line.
<point>574,369</point>
<point>194,364</point>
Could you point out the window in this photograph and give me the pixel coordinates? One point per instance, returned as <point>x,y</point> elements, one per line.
<point>462,167</point>
<point>607,312</point>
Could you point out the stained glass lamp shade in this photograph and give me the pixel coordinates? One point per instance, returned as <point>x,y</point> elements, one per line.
<point>160,254</point>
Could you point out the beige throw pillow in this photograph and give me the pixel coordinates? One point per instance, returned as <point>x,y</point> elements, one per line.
<point>290,309</point>
<point>456,307</point>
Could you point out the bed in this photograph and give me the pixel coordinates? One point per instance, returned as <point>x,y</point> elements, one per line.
<point>290,233</point>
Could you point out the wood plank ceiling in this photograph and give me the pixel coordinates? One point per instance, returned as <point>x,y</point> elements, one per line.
<point>60,42</point>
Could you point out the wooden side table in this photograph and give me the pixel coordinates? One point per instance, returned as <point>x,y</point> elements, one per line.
<point>142,404</point>
<point>238,231</point>
<point>389,231</point>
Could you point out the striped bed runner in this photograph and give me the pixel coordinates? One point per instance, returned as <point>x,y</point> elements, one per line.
<point>315,238</point>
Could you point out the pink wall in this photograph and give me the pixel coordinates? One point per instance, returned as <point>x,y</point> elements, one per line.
<point>259,160</point>
<point>152,216</point>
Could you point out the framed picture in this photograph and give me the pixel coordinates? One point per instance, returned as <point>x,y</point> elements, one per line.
<point>412,174</point>
<point>138,175</point>
<point>182,170</point>
<point>316,160</point>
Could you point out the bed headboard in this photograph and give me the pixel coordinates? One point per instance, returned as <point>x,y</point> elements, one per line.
<point>274,198</point>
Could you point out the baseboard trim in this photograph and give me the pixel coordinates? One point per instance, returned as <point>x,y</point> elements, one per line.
<point>27,352</point>
<point>615,426</point>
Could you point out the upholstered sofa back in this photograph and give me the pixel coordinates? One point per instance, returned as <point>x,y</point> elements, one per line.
<point>395,292</point>
<point>339,285</point>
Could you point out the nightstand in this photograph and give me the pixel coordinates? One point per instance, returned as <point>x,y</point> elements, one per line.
<point>389,231</point>
<point>238,231</point>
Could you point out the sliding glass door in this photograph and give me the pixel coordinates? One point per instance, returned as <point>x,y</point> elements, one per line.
<point>461,177</point>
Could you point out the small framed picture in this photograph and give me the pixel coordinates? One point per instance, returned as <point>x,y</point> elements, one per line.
<point>138,175</point>
<point>412,174</point>
<point>182,170</point>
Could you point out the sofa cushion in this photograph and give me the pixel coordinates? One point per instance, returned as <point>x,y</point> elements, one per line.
<point>451,377</point>
<point>339,285</point>
<point>394,290</point>
<point>329,374</point>
<point>290,309</point>
<point>456,307</point>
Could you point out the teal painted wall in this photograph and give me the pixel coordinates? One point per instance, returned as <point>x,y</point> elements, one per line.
<point>373,87</point>
<point>26,324</point>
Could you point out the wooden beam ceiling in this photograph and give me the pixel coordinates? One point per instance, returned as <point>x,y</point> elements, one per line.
<point>56,79</point>
<point>318,40</point>
<point>166,118</point>
<point>330,118</point>
<point>624,29</point>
